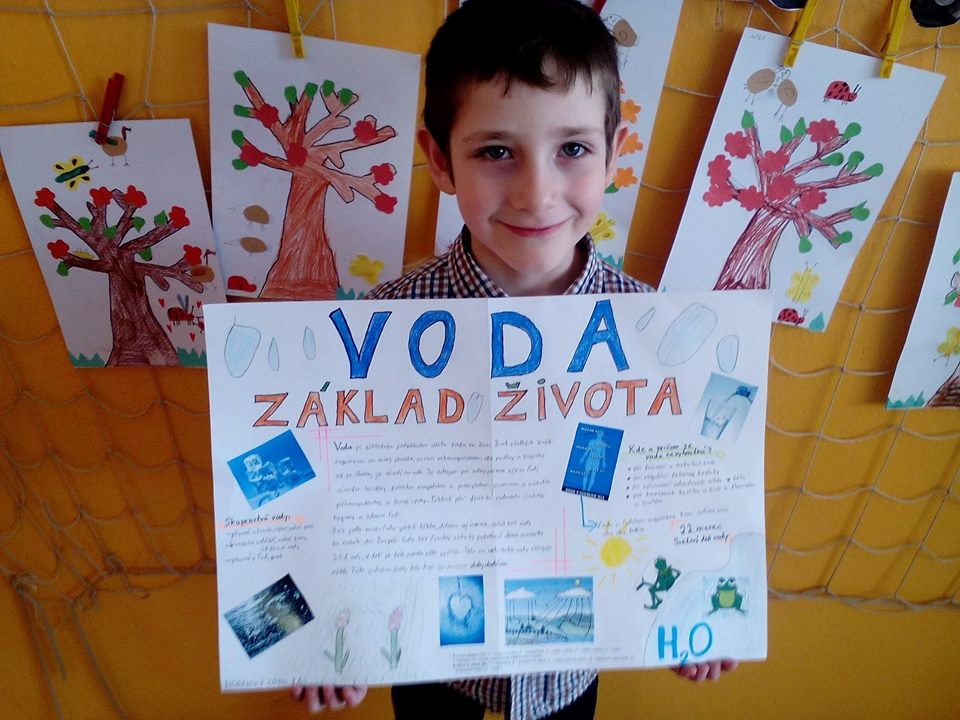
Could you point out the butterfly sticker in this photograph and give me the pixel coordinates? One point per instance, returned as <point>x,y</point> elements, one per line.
<point>72,172</point>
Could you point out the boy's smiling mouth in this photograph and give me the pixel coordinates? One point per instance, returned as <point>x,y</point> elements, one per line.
<point>532,231</point>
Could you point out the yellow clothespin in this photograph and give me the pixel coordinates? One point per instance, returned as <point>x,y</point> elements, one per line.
<point>891,48</point>
<point>296,32</point>
<point>799,33</point>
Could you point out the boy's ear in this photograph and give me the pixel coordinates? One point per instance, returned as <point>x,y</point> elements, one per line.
<point>619,135</point>
<point>437,161</point>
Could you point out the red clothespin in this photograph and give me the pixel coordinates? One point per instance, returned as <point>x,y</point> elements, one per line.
<point>109,108</point>
<point>597,5</point>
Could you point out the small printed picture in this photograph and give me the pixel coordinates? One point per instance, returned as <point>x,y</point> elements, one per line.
<point>267,471</point>
<point>724,407</point>
<point>593,459</point>
<point>461,610</point>
<point>548,610</point>
<point>269,616</point>
<point>726,595</point>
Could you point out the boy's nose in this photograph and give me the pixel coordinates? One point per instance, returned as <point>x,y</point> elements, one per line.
<point>535,187</point>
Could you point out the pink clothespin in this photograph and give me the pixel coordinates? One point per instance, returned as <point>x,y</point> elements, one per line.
<point>597,5</point>
<point>109,108</point>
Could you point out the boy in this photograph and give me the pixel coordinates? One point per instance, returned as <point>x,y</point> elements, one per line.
<point>522,117</point>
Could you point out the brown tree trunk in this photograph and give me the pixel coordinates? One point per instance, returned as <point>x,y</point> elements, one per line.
<point>948,394</point>
<point>305,268</point>
<point>748,264</point>
<point>138,338</point>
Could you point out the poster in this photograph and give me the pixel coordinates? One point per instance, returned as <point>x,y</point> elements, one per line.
<point>311,163</point>
<point>644,31</point>
<point>122,235</point>
<point>423,490</point>
<point>928,373</point>
<point>796,166</point>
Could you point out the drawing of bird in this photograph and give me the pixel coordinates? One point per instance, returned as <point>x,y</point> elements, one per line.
<point>115,145</point>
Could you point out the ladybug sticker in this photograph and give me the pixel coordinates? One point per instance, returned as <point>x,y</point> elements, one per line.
<point>791,316</point>
<point>840,90</point>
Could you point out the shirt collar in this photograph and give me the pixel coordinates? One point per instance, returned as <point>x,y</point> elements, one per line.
<point>469,279</point>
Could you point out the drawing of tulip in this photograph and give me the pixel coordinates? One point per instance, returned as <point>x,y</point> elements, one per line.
<point>393,625</point>
<point>340,655</point>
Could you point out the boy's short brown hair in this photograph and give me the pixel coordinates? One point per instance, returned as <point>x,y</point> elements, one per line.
<point>518,40</point>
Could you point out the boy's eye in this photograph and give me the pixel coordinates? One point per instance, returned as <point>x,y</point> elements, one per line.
<point>573,149</point>
<point>494,152</point>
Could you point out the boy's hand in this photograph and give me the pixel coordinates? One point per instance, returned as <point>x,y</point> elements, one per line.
<point>698,672</point>
<point>320,698</point>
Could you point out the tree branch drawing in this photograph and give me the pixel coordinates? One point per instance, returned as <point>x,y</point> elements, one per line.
<point>780,198</point>
<point>138,337</point>
<point>305,266</point>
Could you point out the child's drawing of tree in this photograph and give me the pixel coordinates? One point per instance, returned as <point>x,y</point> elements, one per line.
<point>138,337</point>
<point>948,394</point>
<point>780,197</point>
<point>305,266</point>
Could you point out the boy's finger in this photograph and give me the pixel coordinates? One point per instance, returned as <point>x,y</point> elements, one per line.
<point>331,697</point>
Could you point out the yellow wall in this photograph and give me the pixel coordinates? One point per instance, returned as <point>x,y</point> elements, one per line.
<point>107,598</point>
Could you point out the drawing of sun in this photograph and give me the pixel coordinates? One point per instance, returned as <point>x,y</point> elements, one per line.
<point>615,553</point>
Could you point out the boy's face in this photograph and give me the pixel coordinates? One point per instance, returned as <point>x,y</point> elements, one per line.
<point>529,169</point>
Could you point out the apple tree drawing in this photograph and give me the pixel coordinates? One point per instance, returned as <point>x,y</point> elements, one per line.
<point>305,266</point>
<point>124,255</point>
<point>948,394</point>
<point>788,185</point>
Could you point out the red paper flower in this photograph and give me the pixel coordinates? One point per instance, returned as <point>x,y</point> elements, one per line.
<point>45,198</point>
<point>822,131</point>
<point>385,203</point>
<point>383,174</point>
<point>267,114</point>
<point>101,196</point>
<point>239,282</point>
<point>811,200</point>
<point>718,169</point>
<point>717,195</point>
<point>178,217</point>
<point>750,198</point>
<point>58,249</point>
<point>296,155</point>
<point>773,161</point>
<point>251,155</point>
<point>364,131</point>
<point>737,144</point>
<point>192,254</point>
<point>135,197</point>
<point>780,187</point>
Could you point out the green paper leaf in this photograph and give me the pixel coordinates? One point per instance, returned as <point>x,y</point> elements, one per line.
<point>146,255</point>
<point>956,257</point>
<point>746,122</point>
<point>110,232</point>
<point>951,297</point>
<point>856,157</point>
<point>800,129</point>
<point>844,237</point>
<point>237,137</point>
<point>785,135</point>
<point>138,223</point>
<point>805,244</point>
<point>346,95</point>
<point>874,170</point>
<point>47,220</point>
<point>853,129</point>
<point>160,218</point>
<point>242,111</point>
<point>611,189</point>
<point>239,164</point>
<point>860,212</point>
<point>63,269</point>
<point>290,93</point>
<point>833,159</point>
<point>310,90</point>
<point>241,77</point>
<point>327,88</point>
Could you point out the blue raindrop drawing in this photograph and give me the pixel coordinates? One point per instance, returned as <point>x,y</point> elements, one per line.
<point>239,348</point>
<point>474,405</point>
<point>645,319</point>
<point>273,355</point>
<point>686,334</point>
<point>728,352</point>
<point>309,344</point>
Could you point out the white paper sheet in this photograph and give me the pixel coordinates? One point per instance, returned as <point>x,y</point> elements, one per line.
<point>452,488</point>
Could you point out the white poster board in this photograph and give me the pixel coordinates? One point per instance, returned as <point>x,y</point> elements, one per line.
<point>424,490</point>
